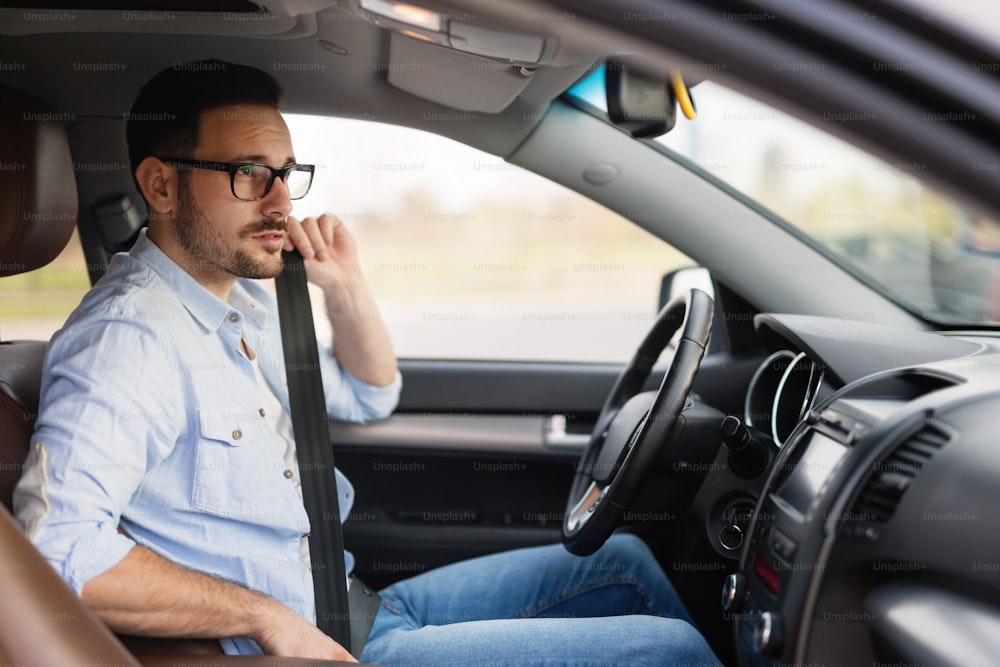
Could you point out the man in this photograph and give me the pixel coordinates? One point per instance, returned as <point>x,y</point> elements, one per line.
<point>162,481</point>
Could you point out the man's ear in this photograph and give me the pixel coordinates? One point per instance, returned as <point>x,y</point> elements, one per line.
<point>158,182</point>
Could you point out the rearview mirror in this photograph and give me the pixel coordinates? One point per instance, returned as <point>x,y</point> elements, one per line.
<point>643,106</point>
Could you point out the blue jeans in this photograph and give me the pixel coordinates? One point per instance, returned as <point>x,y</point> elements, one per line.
<point>539,606</point>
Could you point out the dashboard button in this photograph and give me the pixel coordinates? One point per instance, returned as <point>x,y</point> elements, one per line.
<point>781,544</point>
<point>731,537</point>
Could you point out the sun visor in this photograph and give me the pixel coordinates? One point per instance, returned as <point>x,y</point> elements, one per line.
<point>453,78</point>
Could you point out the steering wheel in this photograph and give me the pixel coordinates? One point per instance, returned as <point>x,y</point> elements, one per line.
<point>633,428</point>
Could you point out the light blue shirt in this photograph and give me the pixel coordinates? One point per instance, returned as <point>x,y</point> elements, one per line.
<point>151,419</point>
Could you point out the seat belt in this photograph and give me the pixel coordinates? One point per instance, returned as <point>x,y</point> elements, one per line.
<point>312,447</point>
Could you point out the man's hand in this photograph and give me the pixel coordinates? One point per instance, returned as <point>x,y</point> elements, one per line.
<point>148,595</point>
<point>288,634</point>
<point>329,250</point>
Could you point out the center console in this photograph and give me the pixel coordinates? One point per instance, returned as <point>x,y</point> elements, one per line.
<point>783,551</point>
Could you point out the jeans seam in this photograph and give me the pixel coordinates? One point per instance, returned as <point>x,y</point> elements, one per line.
<point>394,608</point>
<point>576,591</point>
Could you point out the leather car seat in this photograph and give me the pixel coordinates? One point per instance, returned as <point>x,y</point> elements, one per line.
<point>44,622</point>
<point>38,212</point>
<point>38,206</point>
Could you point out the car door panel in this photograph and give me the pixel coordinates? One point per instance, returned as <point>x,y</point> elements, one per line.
<point>479,457</point>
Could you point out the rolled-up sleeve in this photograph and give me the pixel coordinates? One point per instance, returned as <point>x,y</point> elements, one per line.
<point>350,399</point>
<point>103,423</point>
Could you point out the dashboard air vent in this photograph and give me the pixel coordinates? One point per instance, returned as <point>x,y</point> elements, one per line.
<point>891,478</point>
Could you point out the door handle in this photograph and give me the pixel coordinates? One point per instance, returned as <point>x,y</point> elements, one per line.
<point>554,435</point>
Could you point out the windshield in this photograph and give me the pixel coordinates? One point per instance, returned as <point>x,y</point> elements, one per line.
<point>917,246</point>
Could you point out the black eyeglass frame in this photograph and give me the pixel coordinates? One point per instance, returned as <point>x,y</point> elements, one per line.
<point>233,167</point>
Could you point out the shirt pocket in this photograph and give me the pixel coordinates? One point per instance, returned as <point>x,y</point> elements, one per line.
<point>230,470</point>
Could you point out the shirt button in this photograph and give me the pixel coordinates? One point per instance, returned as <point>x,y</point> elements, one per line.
<point>262,412</point>
<point>289,474</point>
<point>234,318</point>
<point>237,434</point>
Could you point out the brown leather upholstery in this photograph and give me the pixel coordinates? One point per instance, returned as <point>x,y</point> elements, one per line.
<point>20,375</point>
<point>144,647</point>
<point>37,184</point>
<point>37,215</point>
<point>44,622</point>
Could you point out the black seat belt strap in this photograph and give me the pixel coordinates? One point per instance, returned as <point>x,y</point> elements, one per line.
<point>312,446</point>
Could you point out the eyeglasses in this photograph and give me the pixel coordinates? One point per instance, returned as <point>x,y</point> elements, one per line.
<point>250,181</point>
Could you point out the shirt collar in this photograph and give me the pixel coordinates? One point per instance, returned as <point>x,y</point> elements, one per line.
<point>209,310</point>
<point>243,301</point>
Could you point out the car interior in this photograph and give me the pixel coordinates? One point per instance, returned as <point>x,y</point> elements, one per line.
<point>799,433</point>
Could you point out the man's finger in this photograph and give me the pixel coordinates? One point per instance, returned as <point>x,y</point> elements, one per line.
<point>328,224</point>
<point>299,238</point>
<point>315,235</point>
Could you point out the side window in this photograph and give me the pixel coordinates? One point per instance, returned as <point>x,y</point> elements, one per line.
<point>473,258</point>
<point>35,305</point>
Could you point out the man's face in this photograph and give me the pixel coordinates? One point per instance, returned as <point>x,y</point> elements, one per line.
<point>222,236</point>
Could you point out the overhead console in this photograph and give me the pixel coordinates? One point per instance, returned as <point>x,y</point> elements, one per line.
<point>460,31</point>
<point>461,61</point>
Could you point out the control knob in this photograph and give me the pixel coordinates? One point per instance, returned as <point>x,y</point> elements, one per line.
<point>767,634</point>
<point>733,592</point>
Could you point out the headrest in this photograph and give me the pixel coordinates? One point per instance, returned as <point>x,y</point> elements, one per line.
<point>37,184</point>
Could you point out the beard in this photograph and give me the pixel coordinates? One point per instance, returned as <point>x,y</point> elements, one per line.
<point>209,251</point>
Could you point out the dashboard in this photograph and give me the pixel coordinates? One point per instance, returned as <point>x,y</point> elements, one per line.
<point>875,537</point>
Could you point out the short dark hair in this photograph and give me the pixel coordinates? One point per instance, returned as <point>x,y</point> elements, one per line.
<point>165,116</point>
